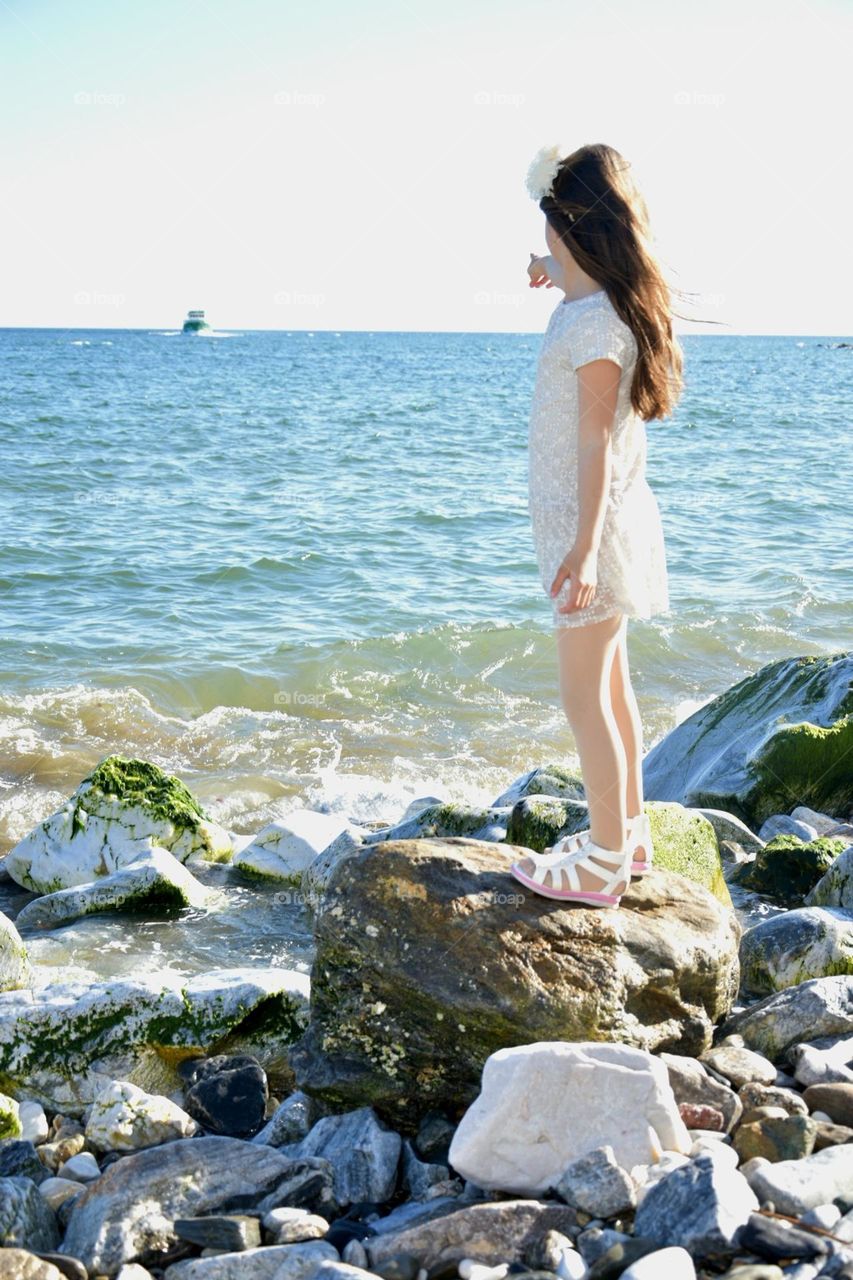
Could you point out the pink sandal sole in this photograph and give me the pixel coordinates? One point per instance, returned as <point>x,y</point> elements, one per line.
<point>640,868</point>
<point>564,895</point>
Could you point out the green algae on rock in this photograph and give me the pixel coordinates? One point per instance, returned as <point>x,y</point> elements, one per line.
<point>119,812</point>
<point>15,968</point>
<point>63,1043</point>
<point>430,957</point>
<point>10,1120</point>
<point>787,868</point>
<point>775,740</point>
<point>794,947</point>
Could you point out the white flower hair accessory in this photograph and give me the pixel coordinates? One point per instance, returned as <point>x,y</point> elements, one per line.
<point>543,171</point>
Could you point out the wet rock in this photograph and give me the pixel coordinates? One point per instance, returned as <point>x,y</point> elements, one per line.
<point>772,1026</point>
<point>794,1186</point>
<point>127,1215</point>
<point>596,1184</point>
<point>692,1084</point>
<point>284,849</point>
<point>409,1029</point>
<point>118,814</point>
<point>63,1043</point>
<point>796,946</point>
<point>227,1094</point>
<point>363,1153</point>
<point>777,733</point>
<point>15,968</point>
<point>582,1095</point>
<point>701,1207</point>
<point>26,1219</point>
<point>126,1118</point>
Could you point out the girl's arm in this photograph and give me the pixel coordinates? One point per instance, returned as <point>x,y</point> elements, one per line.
<point>545,269</point>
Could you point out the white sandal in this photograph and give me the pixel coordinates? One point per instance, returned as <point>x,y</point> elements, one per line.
<point>557,862</point>
<point>639,835</point>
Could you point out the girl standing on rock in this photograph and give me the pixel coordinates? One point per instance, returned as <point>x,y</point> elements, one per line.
<point>608,363</point>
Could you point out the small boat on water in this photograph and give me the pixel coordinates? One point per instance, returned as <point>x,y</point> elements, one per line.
<point>195,322</point>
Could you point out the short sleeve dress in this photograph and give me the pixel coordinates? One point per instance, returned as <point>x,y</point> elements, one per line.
<point>632,573</point>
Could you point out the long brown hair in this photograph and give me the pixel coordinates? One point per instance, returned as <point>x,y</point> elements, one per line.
<point>597,210</point>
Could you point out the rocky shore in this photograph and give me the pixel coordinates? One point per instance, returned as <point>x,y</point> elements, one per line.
<point>476,1081</point>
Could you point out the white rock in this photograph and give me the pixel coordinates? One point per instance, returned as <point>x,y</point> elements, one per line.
<point>471,1270</point>
<point>823,1063</point>
<point>15,968</point>
<point>571,1265</point>
<point>797,1185</point>
<point>663,1264</point>
<point>542,1105</point>
<point>283,850</point>
<point>34,1125</point>
<point>724,1152</point>
<point>81,1168</point>
<point>821,1115</point>
<point>124,1117</point>
<point>824,1216</point>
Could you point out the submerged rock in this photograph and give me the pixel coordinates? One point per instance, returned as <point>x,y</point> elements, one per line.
<point>784,950</point>
<point>781,734</point>
<point>430,957</point>
<point>15,968</point>
<point>62,1044</point>
<point>118,813</point>
<point>156,880</point>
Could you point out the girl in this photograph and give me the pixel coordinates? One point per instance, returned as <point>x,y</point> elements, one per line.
<point>608,363</point>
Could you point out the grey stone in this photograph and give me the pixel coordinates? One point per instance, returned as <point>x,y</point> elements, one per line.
<point>779,1241</point>
<point>364,1154</point>
<point>700,1206</point>
<point>220,1231</point>
<point>754,1095</point>
<point>19,1159</point>
<point>796,946</point>
<point>293,1226</point>
<point>419,1175</point>
<point>26,1219</point>
<point>129,1211</point>
<point>835,887</point>
<point>290,1121</point>
<point>772,1026</point>
<point>596,1184</point>
<point>269,1262</point>
<point>739,1065</point>
<point>492,1233</point>
<point>825,1061</point>
<point>594,1242</point>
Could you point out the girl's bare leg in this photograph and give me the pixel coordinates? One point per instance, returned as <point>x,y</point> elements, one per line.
<point>585,657</point>
<point>627,716</point>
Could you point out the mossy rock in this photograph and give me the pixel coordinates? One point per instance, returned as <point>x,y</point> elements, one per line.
<point>540,820</point>
<point>787,868</point>
<point>546,780</point>
<point>446,819</point>
<point>10,1120</point>
<point>15,968</point>
<point>780,738</point>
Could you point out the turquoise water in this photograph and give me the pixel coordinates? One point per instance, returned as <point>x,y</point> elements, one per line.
<point>296,568</point>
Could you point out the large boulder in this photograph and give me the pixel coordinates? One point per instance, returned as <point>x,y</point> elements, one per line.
<point>778,738</point>
<point>118,813</point>
<point>62,1044</point>
<point>430,956</point>
<point>794,947</point>
<point>15,968</point>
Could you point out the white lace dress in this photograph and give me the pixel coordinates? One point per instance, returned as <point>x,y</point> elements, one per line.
<point>632,574</point>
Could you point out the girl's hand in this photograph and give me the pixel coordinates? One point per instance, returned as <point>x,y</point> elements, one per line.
<point>538,273</point>
<point>581,568</point>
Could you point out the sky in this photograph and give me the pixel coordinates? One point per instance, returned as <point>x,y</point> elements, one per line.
<point>361,166</point>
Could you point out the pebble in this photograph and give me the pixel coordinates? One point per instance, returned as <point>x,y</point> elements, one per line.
<point>57,1190</point>
<point>754,1095</point>
<point>82,1167</point>
<point>738,1064</point>
<point>824,1215</point>
<point>834,1100</point>
<point>286,1225</point>
<point>34,1126</point>
<point>571,1266</point>
<point>698,1115</point>
<point>597,1184</point>
<point>779,1137</point>
<point>663,1264</point>
<point>469,1269</point>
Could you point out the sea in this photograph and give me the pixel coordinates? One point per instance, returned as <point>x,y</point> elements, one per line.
<point>296,569</point>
